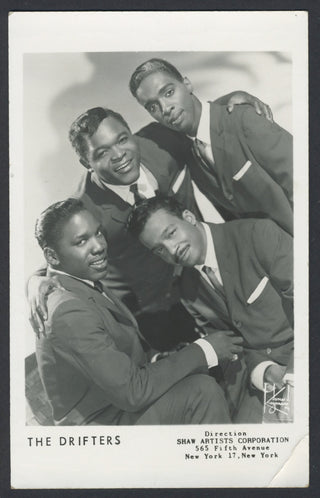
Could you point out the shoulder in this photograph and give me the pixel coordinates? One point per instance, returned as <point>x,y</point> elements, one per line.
<point>65,307</point>
<point>158,139</point>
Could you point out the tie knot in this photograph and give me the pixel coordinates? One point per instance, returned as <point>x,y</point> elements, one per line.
<point>136,194</point>
<point>98,286</point>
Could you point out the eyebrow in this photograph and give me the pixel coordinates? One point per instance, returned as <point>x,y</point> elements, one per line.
<point>160,92</point>
<point>106,147</point>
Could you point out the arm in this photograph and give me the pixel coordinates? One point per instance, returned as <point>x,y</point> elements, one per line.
<point>78,331</point>
<point>272,146</point>
<point>239,97</point>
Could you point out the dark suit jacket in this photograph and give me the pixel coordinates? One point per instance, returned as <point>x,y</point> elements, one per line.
<point>253,164</point>
<point>91,358</point>
<point>248,251</point>
<point>134,273</point>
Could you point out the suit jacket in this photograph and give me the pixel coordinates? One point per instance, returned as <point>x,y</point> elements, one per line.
<point>92,360</point>
<point>255,262</point>
<point>134,273</point>
<point>253,166</point>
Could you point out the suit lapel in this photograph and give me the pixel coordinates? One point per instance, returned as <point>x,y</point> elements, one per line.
<point>121,314</point>
<point>224,261</point>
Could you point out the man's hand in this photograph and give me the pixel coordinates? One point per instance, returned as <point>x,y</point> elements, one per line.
<point>38,290</point>
<point>225,343</point>
<point>238,98</point>
<point>274,375</point>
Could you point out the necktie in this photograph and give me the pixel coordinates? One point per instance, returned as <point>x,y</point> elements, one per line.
<point>137,196</point>
<point>214,280</point>
<point>204,151</point>
<point>98,286</point>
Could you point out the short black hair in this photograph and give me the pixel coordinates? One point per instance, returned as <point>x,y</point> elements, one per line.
<point>50,223</point>
<point>152,66</point>
<point>87,124</point>
<point>142,211</point>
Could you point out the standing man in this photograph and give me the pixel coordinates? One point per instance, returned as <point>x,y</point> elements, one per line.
<point>91,361</point>
<point>243,161</point>
<point>239,276</point>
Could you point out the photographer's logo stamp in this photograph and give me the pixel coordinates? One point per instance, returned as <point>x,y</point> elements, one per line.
<point>277,400</point>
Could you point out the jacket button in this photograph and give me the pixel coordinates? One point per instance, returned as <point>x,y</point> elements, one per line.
<point>238,324</point>
<point>269,350</point>
<point>229,196</point>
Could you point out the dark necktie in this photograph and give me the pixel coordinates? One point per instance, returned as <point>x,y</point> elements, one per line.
<point>214,280</point>
<point>137,196</point>
<point>98,286</point>
<point>203,153</point>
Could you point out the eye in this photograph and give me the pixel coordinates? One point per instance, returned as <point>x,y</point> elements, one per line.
<point>172,232</point>
<point>159,250</point>
<point>153,108</point>
<point>81,242</point>
<point>123,140</point>
<point>169,92</point>
<point>99,233</point>
<point>102,153</point>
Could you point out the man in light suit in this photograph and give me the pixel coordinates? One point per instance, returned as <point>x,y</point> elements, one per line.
<point>91,360</point>
<point>242,162</point>
<point>239,276</point>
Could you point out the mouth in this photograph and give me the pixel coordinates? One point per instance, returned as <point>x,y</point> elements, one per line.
<point>182,254</point>
<point>99,264</point>
<point>176,119</point>
<point>124,167</point>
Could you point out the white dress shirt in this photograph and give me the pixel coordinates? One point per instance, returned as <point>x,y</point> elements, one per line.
<point>147,185</point>
<point>210,258</point>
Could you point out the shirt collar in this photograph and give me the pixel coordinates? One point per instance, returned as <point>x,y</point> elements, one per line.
<point>211,258</point>
<point>123,191</point>
<point>203,132</point>
<point>88,282</point>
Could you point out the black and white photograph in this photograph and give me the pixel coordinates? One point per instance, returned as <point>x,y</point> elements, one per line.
<point>154,277</point>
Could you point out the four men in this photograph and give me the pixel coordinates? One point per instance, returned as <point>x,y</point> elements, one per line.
<point>238,164</point>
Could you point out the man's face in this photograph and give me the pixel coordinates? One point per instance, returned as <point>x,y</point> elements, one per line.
<point>171,102</point>
<point>82,248</point>
<point>113,153</point>
<point>176,240</point>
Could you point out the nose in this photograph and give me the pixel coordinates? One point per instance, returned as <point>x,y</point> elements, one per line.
<point>117,153</point>
<point>166,107</point>
<point>99,244</point>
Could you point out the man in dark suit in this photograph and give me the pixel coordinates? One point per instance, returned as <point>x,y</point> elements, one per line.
<point>116,161</point>
<point>91,360</point>
<point>239,276</point>
<point>242,162</point>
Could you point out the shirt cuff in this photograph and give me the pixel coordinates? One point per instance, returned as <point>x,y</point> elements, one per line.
<point>209,352</point>
<point>288,379</point>
<point>257,374</point>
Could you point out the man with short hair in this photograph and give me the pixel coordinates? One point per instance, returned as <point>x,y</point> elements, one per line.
<point>239,276</point>
<point>91,360</point>
<point>243,162</point>
<point>122,167</point>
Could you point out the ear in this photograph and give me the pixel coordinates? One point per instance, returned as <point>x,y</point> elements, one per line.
<point>51,256</point>
<point>187,83</point>
<point>189,217</point>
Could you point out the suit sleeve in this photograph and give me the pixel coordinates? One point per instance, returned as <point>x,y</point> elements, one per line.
<point>272,146</point>
<point>78,332</point>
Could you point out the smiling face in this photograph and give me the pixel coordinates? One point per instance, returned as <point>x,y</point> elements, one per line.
<point>171,102</point>
<point>81,249</point>
<point>176,240</point>
<point>113,154</point>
